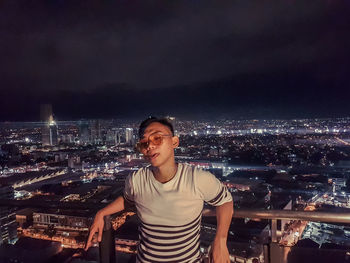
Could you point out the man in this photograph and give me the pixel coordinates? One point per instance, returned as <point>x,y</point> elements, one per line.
<point>169,200</point>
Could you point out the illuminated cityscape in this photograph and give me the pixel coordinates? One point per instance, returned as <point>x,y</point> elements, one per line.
<point>51,192</point>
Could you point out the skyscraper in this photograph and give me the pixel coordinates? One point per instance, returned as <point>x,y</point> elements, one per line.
<point>84,132</point>
<point>96,137</point>
<point>8,225</point>
<point>129,136</point>
<point>53,132</point>
<point>45,135</point>
<point>49,130</point>
<point>111,137</point>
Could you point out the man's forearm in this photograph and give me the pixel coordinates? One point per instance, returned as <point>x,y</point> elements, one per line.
<point>223,217</point>
<point>116,206</point>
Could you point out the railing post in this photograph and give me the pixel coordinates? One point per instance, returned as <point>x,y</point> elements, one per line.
<point>107,245</point>
<point>275,253</point>
<point>274,230</point>
<point>266,253</point>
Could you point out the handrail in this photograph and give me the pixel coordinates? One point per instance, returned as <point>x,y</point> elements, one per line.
<point>107,252</point>
<point>331,217</point>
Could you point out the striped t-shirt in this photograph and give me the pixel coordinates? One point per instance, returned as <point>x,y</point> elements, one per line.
<point>170,213</point>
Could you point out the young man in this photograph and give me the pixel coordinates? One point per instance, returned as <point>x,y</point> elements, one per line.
<point>169,200</point>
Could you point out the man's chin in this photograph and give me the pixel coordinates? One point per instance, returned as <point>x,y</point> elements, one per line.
<point>155,163</point>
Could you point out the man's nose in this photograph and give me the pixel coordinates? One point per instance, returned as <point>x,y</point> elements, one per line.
<point>150,145</point>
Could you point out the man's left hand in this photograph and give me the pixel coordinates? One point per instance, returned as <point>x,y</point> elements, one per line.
<point>219,251</point>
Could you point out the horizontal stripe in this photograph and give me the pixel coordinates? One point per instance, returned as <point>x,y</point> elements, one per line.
<point>158,256</point>
<point>144,226</point>
<point>174,259</point>
<point>160,235</point>
<point>167,226</point>
<point>168,249</point>
<point>175,256</point>
<point>141,258</point>
<point>216,197</point>
<point>159,244</point>
<point>168,237</point>
<point>219,200</point>
<point>144,237</point>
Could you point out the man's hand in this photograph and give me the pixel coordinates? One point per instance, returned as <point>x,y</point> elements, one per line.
<point>97,226</point>
<point>219,252</point>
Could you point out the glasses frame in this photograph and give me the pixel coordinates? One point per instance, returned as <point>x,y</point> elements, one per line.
<point>141,148</point>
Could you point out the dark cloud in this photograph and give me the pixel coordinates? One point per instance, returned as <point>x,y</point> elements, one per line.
<point>263,53</point>
<point>282,94</point>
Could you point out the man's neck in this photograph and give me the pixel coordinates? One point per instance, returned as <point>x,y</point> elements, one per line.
<point>165,173</point>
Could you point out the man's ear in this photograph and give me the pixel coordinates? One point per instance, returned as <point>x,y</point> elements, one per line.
<point>176,141</point>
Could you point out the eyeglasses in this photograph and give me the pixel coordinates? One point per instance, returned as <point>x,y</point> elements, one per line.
<point>155,139</point>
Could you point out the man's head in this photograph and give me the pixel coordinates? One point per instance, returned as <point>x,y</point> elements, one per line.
<point>157,141</point>
<point>150,120</point>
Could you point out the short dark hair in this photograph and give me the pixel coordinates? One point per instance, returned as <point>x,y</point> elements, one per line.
<point>151,119</point>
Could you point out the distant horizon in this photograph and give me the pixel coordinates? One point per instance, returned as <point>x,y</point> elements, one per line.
<point>180,118</point>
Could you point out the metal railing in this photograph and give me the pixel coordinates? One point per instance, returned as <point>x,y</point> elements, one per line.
<point>107,245</point>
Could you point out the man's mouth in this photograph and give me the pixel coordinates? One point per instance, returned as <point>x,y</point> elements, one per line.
<point>152,156</point>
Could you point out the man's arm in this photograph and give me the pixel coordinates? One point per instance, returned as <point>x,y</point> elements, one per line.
<point>97,226</point>
<point>224,214</point>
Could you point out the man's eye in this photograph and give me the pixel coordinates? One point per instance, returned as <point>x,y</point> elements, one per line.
<point>157,138</point>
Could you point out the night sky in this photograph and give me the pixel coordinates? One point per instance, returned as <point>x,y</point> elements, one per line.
<point>190,59</point>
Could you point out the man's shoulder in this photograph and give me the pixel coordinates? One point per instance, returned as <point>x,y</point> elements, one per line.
<point>195,170</point>
<point>192,169</point>
<point>140,173</point>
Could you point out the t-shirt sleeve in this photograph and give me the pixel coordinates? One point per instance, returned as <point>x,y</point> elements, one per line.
<point>211,189</point>
<point>129,189</point>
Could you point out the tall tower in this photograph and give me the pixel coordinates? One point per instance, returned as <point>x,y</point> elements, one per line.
<point>49,130</point>
<point>84,132</point>
<point>8,224</point>
<point>96,137</point>
<point>129,136</point>
<point>53,132</point>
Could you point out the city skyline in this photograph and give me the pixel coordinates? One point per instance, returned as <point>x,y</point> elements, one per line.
<point>283,59</point>
<point>54,178</point>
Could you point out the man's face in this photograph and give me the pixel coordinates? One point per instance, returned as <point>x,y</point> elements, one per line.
<point>163,154</point>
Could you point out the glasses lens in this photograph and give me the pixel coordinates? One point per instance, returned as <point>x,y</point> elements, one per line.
<point>156,139</point>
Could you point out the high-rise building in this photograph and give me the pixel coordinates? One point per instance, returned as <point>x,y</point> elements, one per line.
<point>8,224</point>
<point>49,130</point>
<point>118,136</point>
<point>45,135</point>
<point>53,132</point>
<point>129,136</point>
<point>96,136</point>
<point>84,132</point>
<point>114,136</point>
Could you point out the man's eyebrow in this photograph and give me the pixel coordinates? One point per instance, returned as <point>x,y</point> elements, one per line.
<point>152,132</point>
